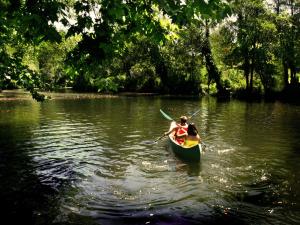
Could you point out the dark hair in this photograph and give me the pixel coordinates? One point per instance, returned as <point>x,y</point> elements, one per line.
<point>192,130</point>
<point>183,119</point>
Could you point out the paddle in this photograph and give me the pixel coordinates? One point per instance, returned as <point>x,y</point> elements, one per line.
<point>159,138</point>
<point>166,115</point>
<point>170,118</point>
<point>195,113</point>
<point>153,142</point>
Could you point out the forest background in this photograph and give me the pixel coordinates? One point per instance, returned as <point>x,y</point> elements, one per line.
<point>240,48</point>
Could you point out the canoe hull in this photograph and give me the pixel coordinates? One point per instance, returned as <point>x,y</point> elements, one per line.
<point>192,154</point>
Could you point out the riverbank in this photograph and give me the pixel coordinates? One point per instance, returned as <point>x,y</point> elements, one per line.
<point>282,96</point>
<point>21,94</point>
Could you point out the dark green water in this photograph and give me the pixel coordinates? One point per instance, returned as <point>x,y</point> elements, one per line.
<point>88,161</point>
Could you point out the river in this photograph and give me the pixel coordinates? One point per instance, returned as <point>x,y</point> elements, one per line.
<point>87,159</point>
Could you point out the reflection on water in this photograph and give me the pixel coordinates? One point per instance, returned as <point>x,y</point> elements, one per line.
<point>94,161</point>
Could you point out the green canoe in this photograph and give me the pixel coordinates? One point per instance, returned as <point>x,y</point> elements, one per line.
<point>188,154</point>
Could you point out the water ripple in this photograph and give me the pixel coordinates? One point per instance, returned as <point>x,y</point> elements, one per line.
<point>99,163</point>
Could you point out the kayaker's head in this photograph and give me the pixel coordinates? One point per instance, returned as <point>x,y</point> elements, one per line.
<point>183,120</point>
<point>192,130</point>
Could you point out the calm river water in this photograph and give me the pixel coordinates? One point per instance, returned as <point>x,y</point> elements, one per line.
<point>82,159</point>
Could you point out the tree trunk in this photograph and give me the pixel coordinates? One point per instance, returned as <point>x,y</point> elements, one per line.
<point>277,6</point>
<point>293,75</point>
<point>251,77</point>
<point>246,71</point>
<point>211,67</point>
<point>285,74</point>
<point>160,66</point>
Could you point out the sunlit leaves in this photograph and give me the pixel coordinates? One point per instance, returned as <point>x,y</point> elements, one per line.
<point>250,42</point>
<point>105,26</point>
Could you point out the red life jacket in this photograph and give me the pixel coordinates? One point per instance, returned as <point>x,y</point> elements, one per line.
<point>180,130</point>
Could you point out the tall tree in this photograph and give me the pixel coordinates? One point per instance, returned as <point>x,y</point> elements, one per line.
<point>251,44</point>
<point>288,26</point>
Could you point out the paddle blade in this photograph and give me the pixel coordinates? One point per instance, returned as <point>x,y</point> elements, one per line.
<point>166,115</point>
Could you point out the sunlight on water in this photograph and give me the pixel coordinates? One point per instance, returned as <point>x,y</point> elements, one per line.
<point>225,151</point>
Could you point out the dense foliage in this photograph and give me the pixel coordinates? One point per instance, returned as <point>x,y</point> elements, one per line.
<point>247,48</point>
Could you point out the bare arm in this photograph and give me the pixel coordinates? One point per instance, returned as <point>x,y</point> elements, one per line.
<point>182,135</point>
<point>170,131</point>
<point>199,138</point>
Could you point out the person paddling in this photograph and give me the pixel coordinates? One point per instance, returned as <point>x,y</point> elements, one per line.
<point>180,130</point>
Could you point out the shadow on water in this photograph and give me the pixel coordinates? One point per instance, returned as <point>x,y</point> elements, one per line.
<point>172,219</point>
<point>26,197</point>
<point>23,197</point>
<point>205,215</point>
<point>262,193</point>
